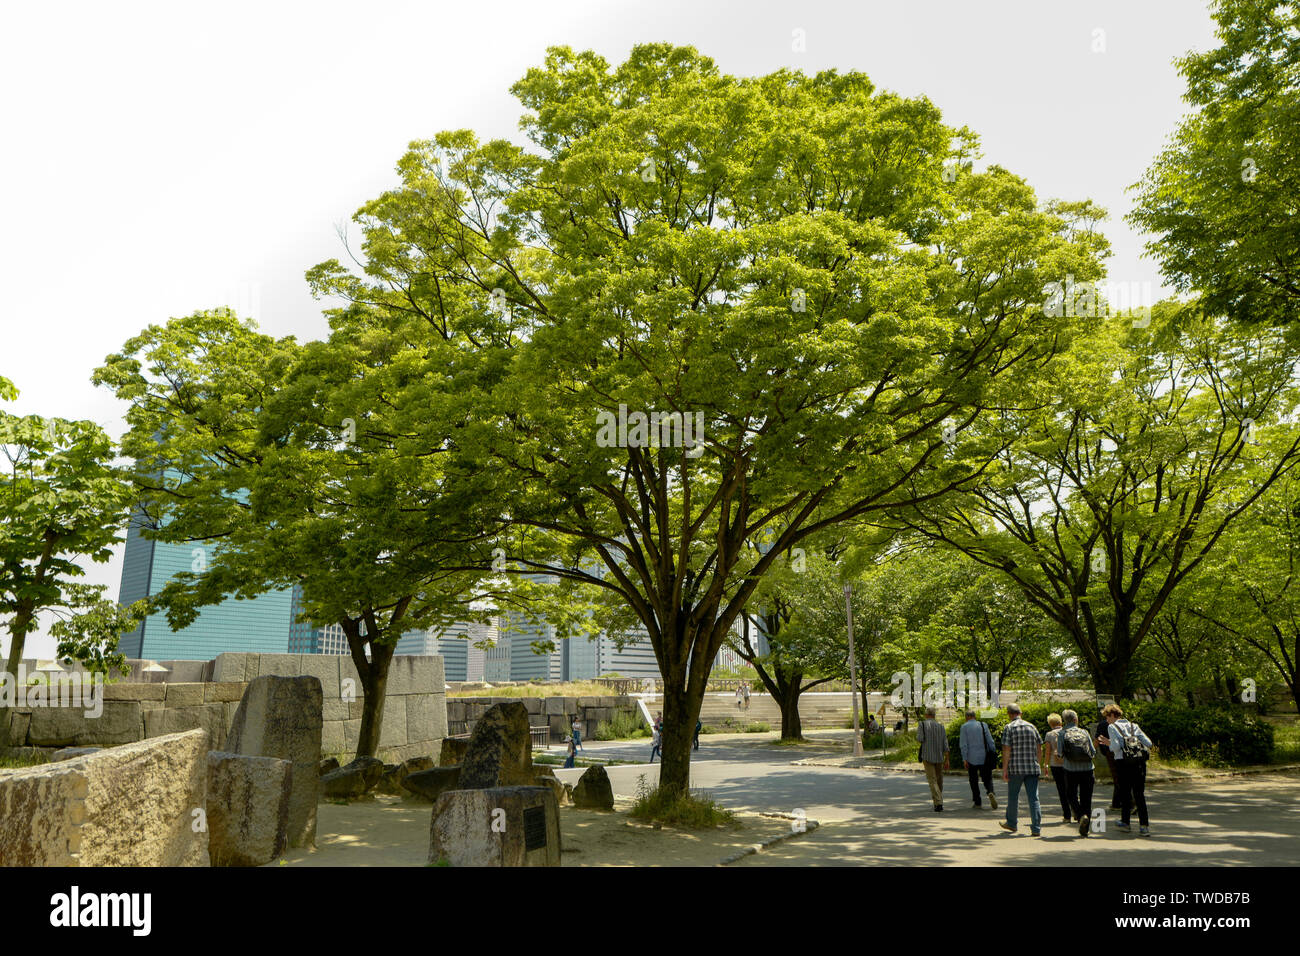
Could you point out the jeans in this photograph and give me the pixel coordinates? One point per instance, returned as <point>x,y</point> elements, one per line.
<point>654,752</point>
<point>1030,782</point>
<point>978,772</point>
<point>1078,789</point>
<point>1062,791</point>
<point>1132,788</point>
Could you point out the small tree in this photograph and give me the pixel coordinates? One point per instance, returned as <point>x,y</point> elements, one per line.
<point>61,501</point>
<point>285,463</point>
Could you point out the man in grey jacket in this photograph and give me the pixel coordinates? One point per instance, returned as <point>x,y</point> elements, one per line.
<point>978,755</point>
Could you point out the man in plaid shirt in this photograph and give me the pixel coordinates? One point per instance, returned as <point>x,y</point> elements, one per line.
<point>1020,745</point>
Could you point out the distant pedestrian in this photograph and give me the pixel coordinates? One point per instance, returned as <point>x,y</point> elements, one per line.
<point>979,756</point>
<point>740,695</point>
<point>934,754</point>
<point>1130,747</point>
<point>745,694</point>
<point>657,740</point>
<point>695,743</point>
<point>1101,737</point>
<point>1075,746</point>
<point>1053,762</point>
<point>568,761</point>
<point>1020,743</point>
<point>577,734</point>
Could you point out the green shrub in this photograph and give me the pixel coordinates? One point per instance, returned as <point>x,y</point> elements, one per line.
<point>689,811</point>
<point>624,725</point>
<point>1214,734</point>
<point>757,727</point>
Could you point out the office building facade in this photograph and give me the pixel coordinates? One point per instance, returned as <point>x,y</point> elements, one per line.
<point>258,625</point>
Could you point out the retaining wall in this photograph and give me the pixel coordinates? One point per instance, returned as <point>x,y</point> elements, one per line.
<point>415,711</point>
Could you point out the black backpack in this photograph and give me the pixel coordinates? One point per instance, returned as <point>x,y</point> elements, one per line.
<point>1132,748</point>
<point>1074,744</point>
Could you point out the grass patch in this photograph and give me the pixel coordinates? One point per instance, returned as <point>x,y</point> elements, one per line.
<point>758,727</point>
<point>625,726</point>
<point>1286,742</point>
<point>13,761</point>
<point>685,811</point>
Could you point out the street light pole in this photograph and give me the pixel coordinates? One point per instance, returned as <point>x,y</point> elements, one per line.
<point>853,672</point>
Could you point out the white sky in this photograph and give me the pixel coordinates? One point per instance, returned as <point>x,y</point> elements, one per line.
<point>159,158</point>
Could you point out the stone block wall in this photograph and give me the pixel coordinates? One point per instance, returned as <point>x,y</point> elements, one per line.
<point>415,712</point>
<point>554,713</point>
<point>127,806</point>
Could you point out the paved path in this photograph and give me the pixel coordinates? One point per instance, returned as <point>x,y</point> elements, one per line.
<point>875,816</point>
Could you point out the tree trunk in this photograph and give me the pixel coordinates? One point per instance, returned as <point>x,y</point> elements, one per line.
<point>374,683</point>
<point>1113,679</point>
<point>791,725</point>
<point>21,624</point>
<point>680,715</point>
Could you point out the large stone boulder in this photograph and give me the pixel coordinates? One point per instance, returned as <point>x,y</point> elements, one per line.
<point>499,826</point>
<point>248,808</point>
<point>133,805</point>
<point>281,717</point>
<point>432,783</point>
<point>500,751</point>
<point>391,782</point>
<point>593,790</point>
<point>453,751</point>
<point>353,779</point>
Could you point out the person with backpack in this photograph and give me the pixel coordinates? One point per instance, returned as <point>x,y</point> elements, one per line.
<point>979,756</point>
<point>1074,744</point>
<point>1052,760</point>
<point>1130,748</point>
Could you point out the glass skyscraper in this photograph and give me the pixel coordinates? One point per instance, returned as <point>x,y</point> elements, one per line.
<point>262,624</point>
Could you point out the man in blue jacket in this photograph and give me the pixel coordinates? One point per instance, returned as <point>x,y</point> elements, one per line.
<point>978,754</point>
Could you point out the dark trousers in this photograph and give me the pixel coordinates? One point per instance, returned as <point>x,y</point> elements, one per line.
<point>1114,778</point>
<point>1058,777</point>
<point>1078,789</point>
<point>980,772</point>
<point>1132,789</point>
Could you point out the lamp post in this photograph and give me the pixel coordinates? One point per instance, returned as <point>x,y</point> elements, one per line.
<point>853,672</point>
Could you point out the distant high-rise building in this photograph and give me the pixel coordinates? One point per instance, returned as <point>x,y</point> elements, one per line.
<point>308,638</point>
<point>260,624</point>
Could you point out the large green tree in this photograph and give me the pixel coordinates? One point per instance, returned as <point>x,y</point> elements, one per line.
<point>805,270</point>
<point>62,501</point>
<point>1223,199</point>
<point>1251,591</point>
<point>286,465</point>
<point>1157,439</point>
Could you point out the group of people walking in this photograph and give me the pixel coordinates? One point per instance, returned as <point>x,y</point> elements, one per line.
<point>1067,753</point>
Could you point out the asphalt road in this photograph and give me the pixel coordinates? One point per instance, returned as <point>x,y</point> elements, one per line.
<point>876,816</point>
